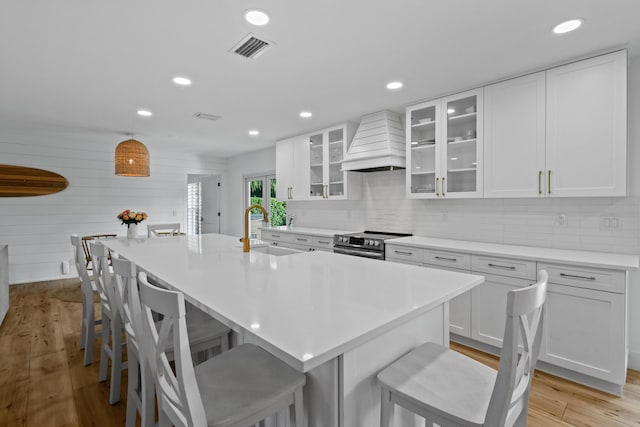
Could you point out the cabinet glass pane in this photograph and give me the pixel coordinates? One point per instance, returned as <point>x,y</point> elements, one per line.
<point>336,155</point>
<point>461,144</point>
<point>316,162</point>
<point>423,150</point>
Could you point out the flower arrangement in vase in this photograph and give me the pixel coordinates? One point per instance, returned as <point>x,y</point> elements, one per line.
<point>132,219</point>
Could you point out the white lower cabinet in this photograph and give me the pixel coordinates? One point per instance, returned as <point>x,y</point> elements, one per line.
<point>489,307</point>
<point>301,242</point>
<point>583,332</point>
<point>585,325</point>
<point>585,320</point>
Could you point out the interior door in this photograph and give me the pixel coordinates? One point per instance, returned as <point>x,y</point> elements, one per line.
<point>210,214</point>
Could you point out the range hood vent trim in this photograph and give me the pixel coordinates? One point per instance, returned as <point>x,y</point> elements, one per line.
<point>379,144</point>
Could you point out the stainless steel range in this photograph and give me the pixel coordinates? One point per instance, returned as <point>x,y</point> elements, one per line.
<point>368,244</point>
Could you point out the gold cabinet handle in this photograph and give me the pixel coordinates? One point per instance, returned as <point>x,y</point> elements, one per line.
<point>539,182</point>
<point>437,192</point>
<point>443,187</point>
<point>549,182</point>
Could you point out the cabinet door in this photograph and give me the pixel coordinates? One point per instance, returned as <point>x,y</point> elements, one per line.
<point>423,134</point>
<point>461,171</point>
<point>336,149</point>
<point>587,127</point>
<point>284,169</point>
<point>514,143</point>
<point>300,168</point>
<point>584,331</point>
<point>489,307</point>
<point>317,166</point>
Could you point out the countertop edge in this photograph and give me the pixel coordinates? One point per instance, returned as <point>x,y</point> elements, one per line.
<point>551,255</point>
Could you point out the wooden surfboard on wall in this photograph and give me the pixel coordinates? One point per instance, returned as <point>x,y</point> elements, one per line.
<point>20,181</point>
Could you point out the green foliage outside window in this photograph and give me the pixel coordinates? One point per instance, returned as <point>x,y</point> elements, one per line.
<point>278,215</point>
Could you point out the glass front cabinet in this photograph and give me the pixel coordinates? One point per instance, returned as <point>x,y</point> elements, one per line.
<point>444,147</point>
<point>327,150</point>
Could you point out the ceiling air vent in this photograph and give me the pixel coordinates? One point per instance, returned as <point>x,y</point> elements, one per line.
<point>206,116</point>
<point>250,46</point>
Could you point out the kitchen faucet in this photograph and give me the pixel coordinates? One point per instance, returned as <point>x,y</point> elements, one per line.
<point>245,240</point>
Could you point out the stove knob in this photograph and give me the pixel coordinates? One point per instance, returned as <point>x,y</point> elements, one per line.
<point>369,242</point>
<point>377,243</point>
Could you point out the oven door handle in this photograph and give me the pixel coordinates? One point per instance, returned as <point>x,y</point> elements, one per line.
<point>359,252</point>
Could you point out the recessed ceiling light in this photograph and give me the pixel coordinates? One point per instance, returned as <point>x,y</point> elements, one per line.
<point>394,85</point>
<point>451,110</point>
<point>414,143</point>
<point>256,17</point>
<point>145,113</point>
<point>182,81</point>
<point>568,26</point>
<point>254,132</point>
<point>305,114</point>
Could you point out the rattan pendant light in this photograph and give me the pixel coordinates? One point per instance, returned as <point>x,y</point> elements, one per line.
<point>132,158</point>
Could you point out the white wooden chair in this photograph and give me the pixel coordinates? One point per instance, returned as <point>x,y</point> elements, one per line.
<point>450,389</point>
<point>89,322</point>
<point>112,345</point>
<point>240,387</point>
<point>140,388</point>
<point>208,334</point>
<point>157,230</point>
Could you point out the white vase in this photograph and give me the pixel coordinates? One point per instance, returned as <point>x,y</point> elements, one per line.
<point>132,231</point>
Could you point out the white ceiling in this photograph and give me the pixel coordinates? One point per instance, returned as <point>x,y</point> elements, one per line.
<point>79,69</point>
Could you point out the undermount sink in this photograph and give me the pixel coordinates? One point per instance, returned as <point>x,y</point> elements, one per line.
<point>275,250</point>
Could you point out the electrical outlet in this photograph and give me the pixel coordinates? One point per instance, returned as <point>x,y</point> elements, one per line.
<point>65,267</point>
<point>175,212</point>
<point>608,222</point>
<point>561,220</point>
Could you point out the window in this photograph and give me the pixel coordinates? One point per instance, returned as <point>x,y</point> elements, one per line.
<point>261,190</point>
<point>194,207</point>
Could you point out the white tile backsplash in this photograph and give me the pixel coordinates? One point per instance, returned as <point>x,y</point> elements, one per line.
<point>530,222</point>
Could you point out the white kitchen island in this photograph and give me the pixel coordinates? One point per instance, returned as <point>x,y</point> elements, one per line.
<point>339,319</point>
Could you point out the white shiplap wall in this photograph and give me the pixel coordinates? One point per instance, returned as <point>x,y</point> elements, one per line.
<point>37,229</point>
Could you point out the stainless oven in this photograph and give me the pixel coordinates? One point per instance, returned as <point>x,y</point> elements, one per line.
<point>368,244</point>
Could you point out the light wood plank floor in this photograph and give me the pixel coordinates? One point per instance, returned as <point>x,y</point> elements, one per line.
<point>44,383</point>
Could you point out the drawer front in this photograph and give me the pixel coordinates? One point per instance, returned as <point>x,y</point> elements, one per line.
<point>323,243</point>
<point>301,239</point>
<point>504,266</point>
<point>275,236</point>
<point>403,253</point>
<point>588,278</point>
<point>448,259</point>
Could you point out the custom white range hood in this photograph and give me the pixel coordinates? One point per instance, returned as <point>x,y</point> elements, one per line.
<point>379,144</point>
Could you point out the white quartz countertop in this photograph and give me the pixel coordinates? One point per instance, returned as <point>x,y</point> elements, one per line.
<point>306,308</point>
<point>311,231</point>
<point>551,255</point>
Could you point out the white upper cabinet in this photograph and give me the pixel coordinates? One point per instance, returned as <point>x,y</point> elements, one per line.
<point>327,150</point>
<point>444,147</point>
<point>587,127</point>
<point>514,129</point>
<point>309,167</point>
<point>292,169</point>
<point>559,133</point>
